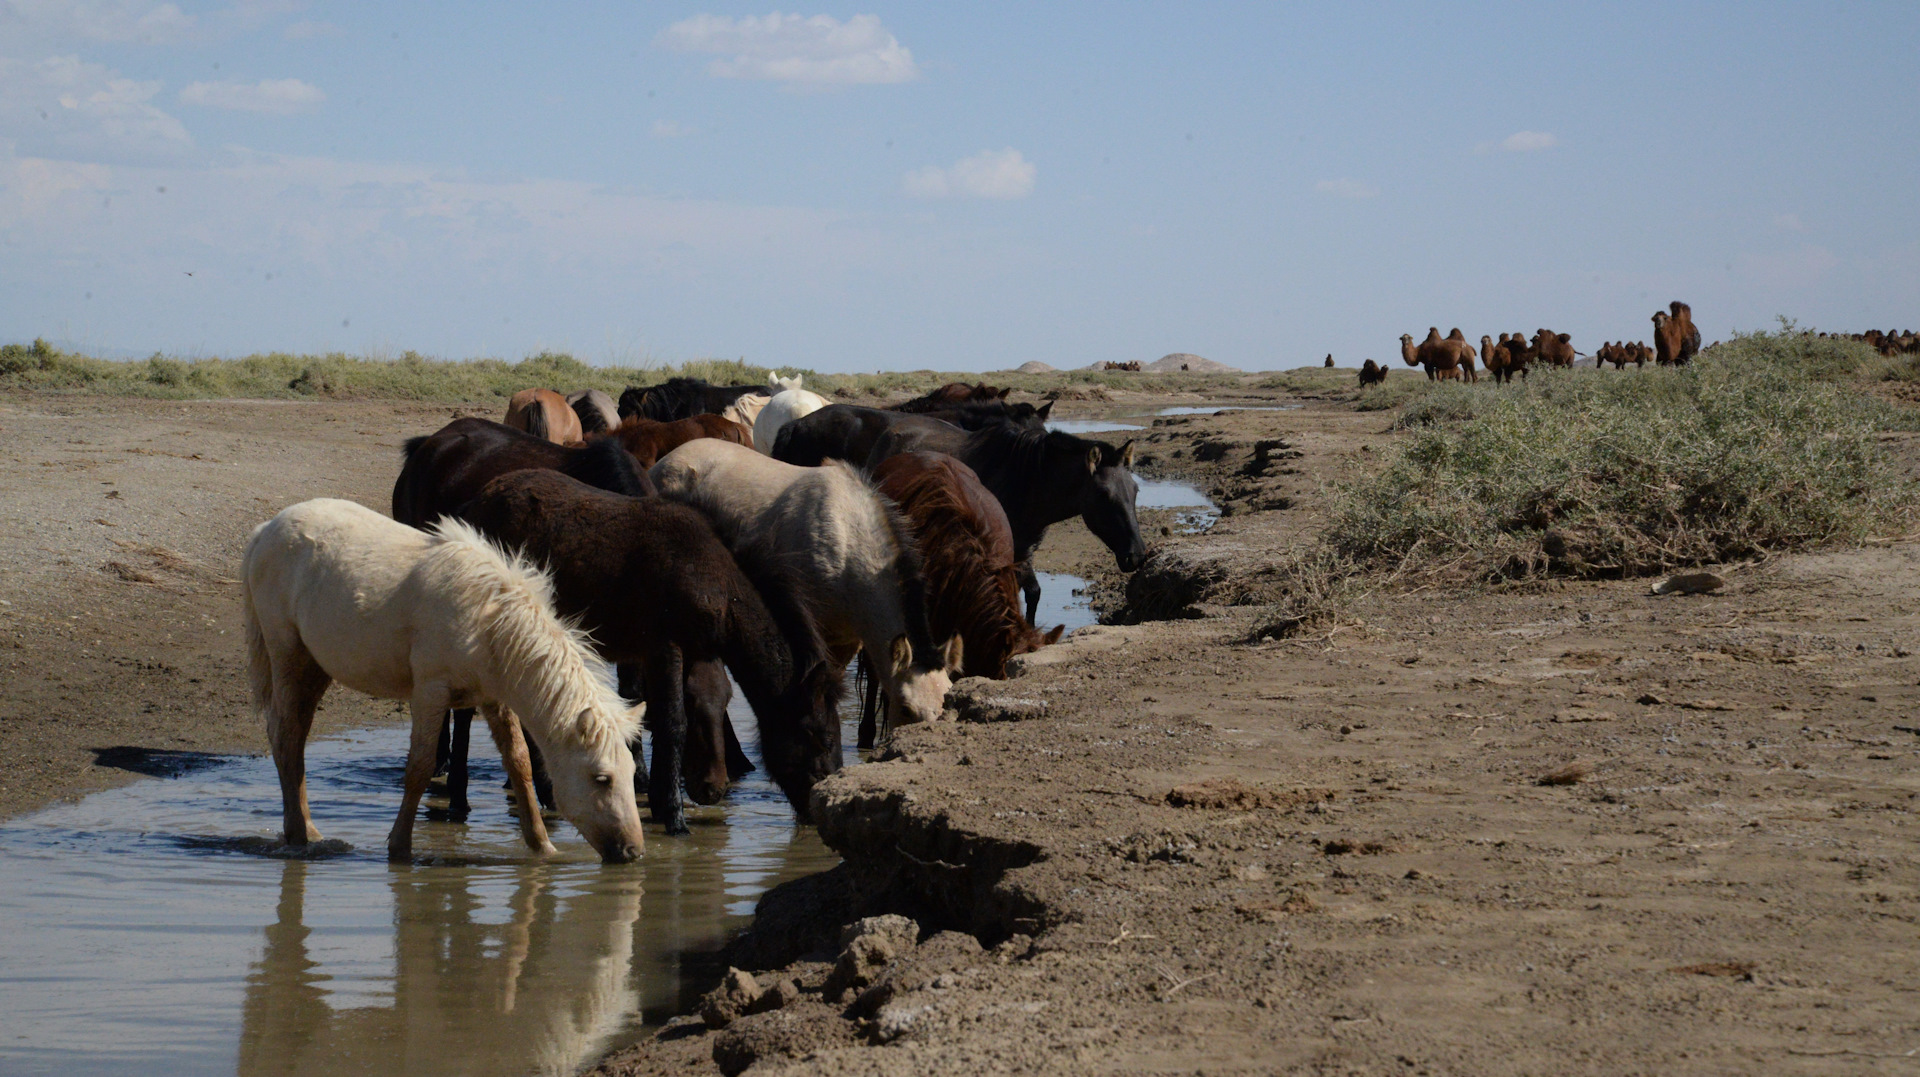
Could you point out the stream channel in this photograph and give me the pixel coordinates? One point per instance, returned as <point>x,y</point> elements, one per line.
<point>150,929</point>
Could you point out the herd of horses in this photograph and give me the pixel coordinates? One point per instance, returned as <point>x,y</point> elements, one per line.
<point>589,564</point>
<point>1453,357</point>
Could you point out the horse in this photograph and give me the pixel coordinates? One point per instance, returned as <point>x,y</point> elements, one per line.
<point>648,440</point>
<point>1041,477</point>
<point>595,409</point>
<point>333,591</point>
<point>845,432</point>
<point>954,392</point>
<point>977,414</point>
<point>785,406</point>
<point>854,546</point>
<point>679,398</point>
<point>654,585</point>
<point>966,556</point>
<point>545,414</point>
<point>447,468</point>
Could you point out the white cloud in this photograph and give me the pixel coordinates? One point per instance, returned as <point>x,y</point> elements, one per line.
<point>108,21</point>
<point>1528,141</point>
<point>793,49</point>
<point>670,129</point>
<point>278,97</point>
<point>68,109</point>
<point>1346,188</point>
<point>989,174</point>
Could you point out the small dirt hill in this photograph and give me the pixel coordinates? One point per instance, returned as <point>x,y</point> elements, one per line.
<point>1178,361</point>
<point>1035,366</point>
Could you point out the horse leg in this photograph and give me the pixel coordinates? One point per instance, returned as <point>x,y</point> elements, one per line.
<point>705,696</point>
<point>542,783</point>
<point>461,726</point>
<point>298,684</point>
<point>869,702</point>
<point>738,765</point>
<point>429,710</point>
<point>507,736</point>
<point>666,714</point>
<point>1030,586</point>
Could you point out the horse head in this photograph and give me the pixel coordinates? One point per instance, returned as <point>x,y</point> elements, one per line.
<point>593,782</point>
<point>1106,502</point>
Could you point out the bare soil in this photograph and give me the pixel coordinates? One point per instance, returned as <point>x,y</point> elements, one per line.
<point>1577,828</point>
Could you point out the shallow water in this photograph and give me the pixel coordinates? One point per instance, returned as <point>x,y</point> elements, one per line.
<point>1135,419</point>
<point>1193,511</point>
<point>149,929</point>
<point>1060,602</point>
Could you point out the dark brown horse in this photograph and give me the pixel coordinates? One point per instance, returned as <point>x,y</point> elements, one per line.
<point>954,392</point>
<point>1040,478</point>
<point>654,585</point>
<point>447,468</point>
<point>648,440</point>
<point>849,431</point>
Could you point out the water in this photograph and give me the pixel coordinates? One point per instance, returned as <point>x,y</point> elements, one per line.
<point>1193,511</point>
<point>1061,604</point>
<point>147,930</point>
<point>1130,419</point>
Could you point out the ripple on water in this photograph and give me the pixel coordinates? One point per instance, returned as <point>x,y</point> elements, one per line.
<point>162,928</point>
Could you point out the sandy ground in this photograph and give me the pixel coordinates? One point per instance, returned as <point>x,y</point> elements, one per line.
<point>1181,852</point>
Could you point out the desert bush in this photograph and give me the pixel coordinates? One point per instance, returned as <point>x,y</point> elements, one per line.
<point>1764,443</point>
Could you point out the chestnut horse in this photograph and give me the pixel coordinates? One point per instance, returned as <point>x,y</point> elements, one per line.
<point>648,440</point>
<point>967,561</point>
<point>545,414</point>
<point>652,584</point>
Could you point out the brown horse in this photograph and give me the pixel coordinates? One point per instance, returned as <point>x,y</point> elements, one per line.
<point>545,414</point>
<point>954,392</point>
<point>648,440</point>
<point>967,559</point>
<point>652,584</point>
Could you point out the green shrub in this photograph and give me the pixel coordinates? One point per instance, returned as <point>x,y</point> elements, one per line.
<point>1764,443</point>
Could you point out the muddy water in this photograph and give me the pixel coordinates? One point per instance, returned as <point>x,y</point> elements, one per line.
<point>150,929</point>
<point>1060,602</point>
<point>1137,419</point>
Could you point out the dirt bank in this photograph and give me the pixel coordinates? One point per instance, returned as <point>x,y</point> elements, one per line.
<point>1576,829</point>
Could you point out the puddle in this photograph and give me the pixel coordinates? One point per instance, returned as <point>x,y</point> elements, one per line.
<point>146,934</point>
<point>1060,604</point>
<point>1136,419</point>
<point>1193,511</point>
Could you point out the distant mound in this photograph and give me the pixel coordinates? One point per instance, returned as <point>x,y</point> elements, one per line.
<point>1193,364</point>
<point>1034,366</point>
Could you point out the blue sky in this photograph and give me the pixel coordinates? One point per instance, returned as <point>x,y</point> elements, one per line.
<point>964,187</point>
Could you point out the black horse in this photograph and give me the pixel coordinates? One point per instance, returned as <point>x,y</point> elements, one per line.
<point>449,467</point>
<point>979,414</point>
<point>682,398</point>
<point>845,432</point>
<point>1041,478</point>
<point>654,585</point>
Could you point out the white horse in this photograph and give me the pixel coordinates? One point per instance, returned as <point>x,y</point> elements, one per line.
<point>784,408</point>
<point>853,545</point>
<point>337,592</point>
<point>746,410</point>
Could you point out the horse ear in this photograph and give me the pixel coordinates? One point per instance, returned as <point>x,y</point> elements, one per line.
<point>1046,409</point>
<point>1126,454</point>
<point>1003,393</point>
<point>1093,460</point>
<point>953,654</point>
<point>901,655</point>
<point>1053,636</point>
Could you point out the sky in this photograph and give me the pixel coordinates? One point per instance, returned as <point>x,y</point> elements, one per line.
<point>957,187</point>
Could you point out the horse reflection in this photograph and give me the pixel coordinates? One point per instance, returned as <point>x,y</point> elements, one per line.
<point>541,992</point>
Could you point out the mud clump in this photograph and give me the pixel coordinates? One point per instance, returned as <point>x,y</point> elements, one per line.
<point>867,948</point>
<point>978,699</point>
<point>736,995</point>
<point>1231,794</point>
<point>787,1033</point>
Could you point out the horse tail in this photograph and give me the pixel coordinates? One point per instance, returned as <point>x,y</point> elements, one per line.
<point>412,445</point>
<point>536,419</point>
<point>259,659</point>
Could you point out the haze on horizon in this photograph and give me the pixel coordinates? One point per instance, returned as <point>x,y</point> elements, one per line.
<point>970,187</point>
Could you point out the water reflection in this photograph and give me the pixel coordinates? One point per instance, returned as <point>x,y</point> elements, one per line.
<point>146,934</point>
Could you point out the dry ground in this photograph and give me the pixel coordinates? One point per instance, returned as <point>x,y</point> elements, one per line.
<point>1376,882</point>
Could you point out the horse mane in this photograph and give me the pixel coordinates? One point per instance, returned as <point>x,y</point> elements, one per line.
<point>1007,445</point>
<point>958,566</point>
<point>545,655</point>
